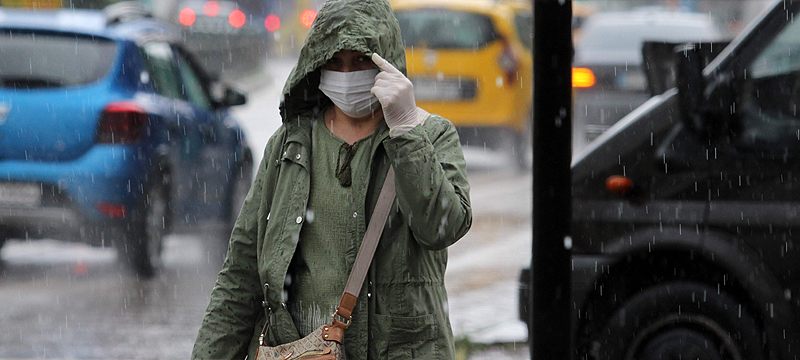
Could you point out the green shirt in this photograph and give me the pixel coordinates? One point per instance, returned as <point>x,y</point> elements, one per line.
<point>334,226</point>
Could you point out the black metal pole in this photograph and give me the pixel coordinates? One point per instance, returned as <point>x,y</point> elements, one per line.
<point>552,152</point>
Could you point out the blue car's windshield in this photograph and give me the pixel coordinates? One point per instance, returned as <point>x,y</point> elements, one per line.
<point>31,60</point>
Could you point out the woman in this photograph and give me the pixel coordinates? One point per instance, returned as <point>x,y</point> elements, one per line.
<point>348,115</point>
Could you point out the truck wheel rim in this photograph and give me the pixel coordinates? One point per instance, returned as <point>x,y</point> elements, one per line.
<point>701,324</point>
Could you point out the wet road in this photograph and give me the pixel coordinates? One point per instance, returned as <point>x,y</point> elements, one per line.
<point>70,301</point>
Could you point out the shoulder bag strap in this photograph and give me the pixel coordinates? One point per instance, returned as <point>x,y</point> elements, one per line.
<point>344,312</point>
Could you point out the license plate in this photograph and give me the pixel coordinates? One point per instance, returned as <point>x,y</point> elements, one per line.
<point>17,194</point>
<point>433,89</point>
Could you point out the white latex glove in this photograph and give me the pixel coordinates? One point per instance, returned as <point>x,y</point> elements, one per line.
<point>396,95</point>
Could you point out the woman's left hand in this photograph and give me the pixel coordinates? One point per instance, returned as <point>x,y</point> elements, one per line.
<point>396,95</point>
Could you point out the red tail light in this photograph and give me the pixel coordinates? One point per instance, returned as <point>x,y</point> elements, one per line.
<point>121,123</point>
<point>187,17</point>
<point>509,63</point>
<point>237,18</point>
<point>114,211</point>
<point>272,23</point>
<point>307,18</point>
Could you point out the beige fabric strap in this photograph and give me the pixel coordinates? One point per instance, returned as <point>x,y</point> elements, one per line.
<point>367,250</point>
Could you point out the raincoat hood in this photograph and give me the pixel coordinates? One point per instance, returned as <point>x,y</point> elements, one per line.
<point>368,26</point>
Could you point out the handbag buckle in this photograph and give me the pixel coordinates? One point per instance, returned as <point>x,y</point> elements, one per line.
<point>341,318</point>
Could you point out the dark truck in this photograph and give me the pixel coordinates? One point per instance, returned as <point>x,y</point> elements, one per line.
<point>685,229</point>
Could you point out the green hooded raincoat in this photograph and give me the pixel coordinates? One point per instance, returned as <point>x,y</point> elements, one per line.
<point>405,315</point>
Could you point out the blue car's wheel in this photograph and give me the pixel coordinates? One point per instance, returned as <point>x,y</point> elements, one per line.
<point>143,244</point>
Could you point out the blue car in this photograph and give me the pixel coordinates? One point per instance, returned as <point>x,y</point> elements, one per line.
<point>110,134</point>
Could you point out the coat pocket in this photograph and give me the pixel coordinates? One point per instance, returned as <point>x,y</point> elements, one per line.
<point>402,337</point>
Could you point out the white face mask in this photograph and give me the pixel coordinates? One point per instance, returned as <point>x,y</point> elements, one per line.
<point>350,91</point>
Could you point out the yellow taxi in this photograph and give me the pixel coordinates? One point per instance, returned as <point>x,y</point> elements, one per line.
<point>470,61</point>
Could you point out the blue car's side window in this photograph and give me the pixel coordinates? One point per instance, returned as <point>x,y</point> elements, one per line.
<point>192,86</point>
<point>162,68</point>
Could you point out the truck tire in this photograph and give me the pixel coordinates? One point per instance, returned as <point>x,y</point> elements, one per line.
<point>143,243</point>
<point>679,320</point>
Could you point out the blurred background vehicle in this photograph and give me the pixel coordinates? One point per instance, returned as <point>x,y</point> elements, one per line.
<point>608,74</point>
<point>471,63</point>
<point>110,132</point>
<point>243,33</point>
<point>232,39</point>
<point>225,37</point>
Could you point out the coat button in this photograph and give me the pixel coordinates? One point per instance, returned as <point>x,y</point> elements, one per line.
<point>297,157</point>
<point>355,214</point>
<point>266,285</point>
<point>299,219</point>
<point>263,303</point>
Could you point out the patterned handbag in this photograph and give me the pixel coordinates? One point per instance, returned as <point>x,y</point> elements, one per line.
<point>327,341</point>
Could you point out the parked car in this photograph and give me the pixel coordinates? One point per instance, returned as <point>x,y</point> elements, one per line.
<point>471,63</point>
<point>111,134</point>
<point>684,227</point>
<point>608,76</point>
